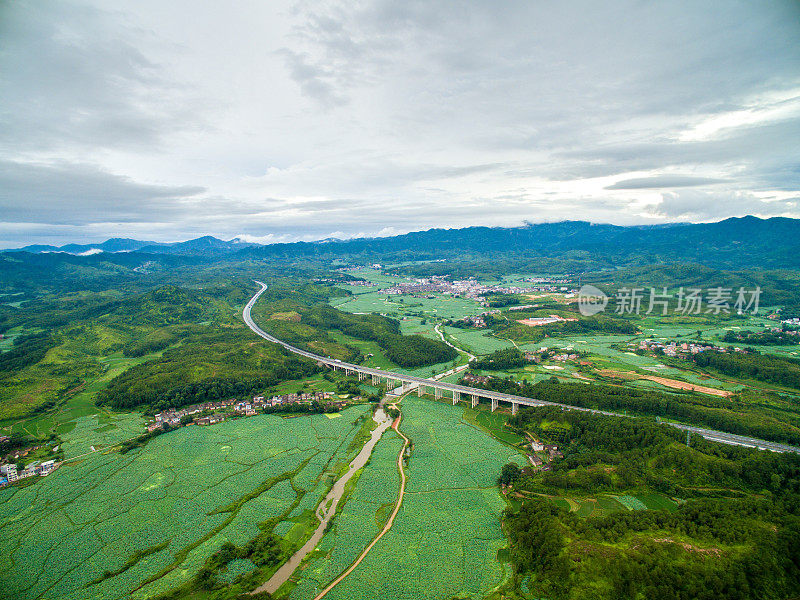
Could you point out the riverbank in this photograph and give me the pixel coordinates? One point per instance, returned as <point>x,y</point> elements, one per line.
<point>388,526</point>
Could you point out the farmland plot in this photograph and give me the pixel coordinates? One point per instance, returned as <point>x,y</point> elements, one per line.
<point>110,525</point>
<point>445,539</point>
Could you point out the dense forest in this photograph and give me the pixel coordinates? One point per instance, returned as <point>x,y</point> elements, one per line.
<point>27,350</point>
<point>741,550</point>
<point>218,364</point>
<point>737,535</point>
<point>499,360</point>
<point>763,338</point>
<point>645,453</point>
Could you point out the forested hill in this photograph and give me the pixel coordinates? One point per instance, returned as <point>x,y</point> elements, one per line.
<point>568,246</point>
<point>735,242</point>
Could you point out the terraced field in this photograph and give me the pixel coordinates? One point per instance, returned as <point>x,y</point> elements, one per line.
<point>445,539</point>
<point>605,504</point>
<point>107,525</point>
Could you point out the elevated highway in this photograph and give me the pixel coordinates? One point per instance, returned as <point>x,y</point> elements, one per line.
<point>457,392</point>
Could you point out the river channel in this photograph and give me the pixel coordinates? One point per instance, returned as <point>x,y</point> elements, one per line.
<point>327,508</point>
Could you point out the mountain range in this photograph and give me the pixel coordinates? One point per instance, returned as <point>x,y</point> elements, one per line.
<point>733,243</point>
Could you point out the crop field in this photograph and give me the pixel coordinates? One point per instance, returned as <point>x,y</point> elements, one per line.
<point>604,504</point>
<point>414,325</point>
<point>478,341</point>
<point>138,518</point>
<point>316,383</point>
<point>359,522</point>
<point>492,422</point>
<point>445,539</point>
<point>373,299</point>
<point>100,431</point>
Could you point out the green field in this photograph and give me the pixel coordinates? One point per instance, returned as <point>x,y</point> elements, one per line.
<point>479,341</point>
<point>189,491</point>
<point>358,523</point>
<point>371,299</point>
<point>445,539</point>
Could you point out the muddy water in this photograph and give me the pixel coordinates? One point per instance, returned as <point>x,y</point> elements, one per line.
<point>327,508</point>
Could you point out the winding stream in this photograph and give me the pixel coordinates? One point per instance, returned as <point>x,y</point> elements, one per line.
<point>327,508</point>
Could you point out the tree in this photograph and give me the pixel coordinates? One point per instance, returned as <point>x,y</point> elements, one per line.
<point>510,473</point>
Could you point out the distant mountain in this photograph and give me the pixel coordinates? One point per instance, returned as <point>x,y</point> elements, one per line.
<point>206,245</point>
<point>744,242</point>
<point>732,243</point>
<point>202,246</point>
<point>110,245</point>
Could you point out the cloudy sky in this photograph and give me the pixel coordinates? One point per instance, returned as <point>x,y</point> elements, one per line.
<point>278,121</point>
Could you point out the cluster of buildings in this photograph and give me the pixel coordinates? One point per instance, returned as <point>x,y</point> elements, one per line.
<point>467,288</point>
<point>551,451</point>
<point>8,469</point>
<point>248,408</point>
<point>9,473</point>
<point>537,357</point>
<point>21,453</point>
<point>684,349</point>
<point>359,282</point>
<point>479,321</point>
<point>472,378</point>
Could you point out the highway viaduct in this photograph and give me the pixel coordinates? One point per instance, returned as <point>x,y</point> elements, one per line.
<point>457,392</point>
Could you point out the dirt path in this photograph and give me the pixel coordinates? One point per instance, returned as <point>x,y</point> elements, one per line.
<point>388,526</point>
<point>441,335</point>
<point>673,383</point>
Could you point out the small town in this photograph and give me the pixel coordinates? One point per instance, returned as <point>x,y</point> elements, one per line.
<point>10,472</point>
<point>680,349</point>
<point>467,288</point>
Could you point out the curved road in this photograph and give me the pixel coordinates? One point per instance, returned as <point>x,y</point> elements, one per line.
<point>717,436</point>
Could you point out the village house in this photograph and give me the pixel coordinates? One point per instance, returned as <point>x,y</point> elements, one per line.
<point>482,379</point>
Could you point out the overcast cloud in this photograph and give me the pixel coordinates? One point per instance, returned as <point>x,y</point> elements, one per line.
<point>277,121</point>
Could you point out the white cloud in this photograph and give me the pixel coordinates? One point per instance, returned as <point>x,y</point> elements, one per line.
<point>282,121</point>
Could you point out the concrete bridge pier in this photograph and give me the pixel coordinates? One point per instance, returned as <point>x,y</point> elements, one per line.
<point>361,376</point>
<point>456,397</point>
<point>376,380</point>
<point>514,407</point>
<point>420,390</point>
<point>474,400</point>
<point>494,404</point>
<point>437,393</point>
